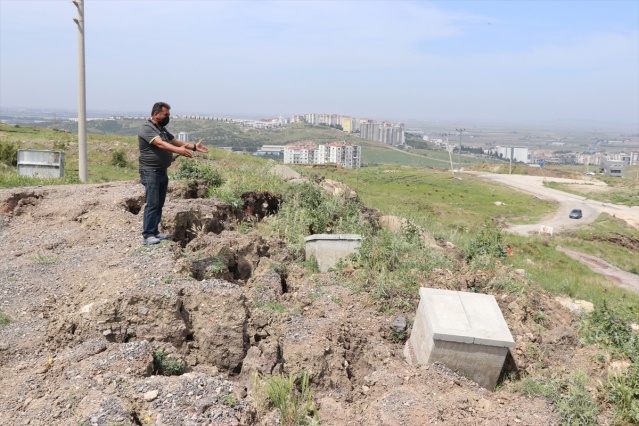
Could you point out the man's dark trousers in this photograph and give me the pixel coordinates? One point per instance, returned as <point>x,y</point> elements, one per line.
<point>156,183</point>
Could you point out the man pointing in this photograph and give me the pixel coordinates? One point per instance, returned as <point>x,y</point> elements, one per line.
<point>157,147</point>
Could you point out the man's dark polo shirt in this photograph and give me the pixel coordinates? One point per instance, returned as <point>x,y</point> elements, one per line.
<point>152,157</point>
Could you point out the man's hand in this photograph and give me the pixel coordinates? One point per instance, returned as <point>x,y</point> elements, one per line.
<point>200,148</point>
<point>185,152</point>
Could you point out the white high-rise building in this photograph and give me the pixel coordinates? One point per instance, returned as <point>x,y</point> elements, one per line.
<point>341,153</point>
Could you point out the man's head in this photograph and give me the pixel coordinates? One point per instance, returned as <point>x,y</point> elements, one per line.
<point>160,113</point>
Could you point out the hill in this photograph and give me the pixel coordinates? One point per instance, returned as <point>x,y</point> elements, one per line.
<point>98,329</point>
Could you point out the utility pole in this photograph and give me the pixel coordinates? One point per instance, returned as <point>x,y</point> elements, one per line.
<point>450,158</point>
<point>460,130</point>
<point>82,98</point>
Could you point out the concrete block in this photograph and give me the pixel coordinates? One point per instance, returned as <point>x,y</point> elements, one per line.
<point>328,249</point>
<point>464,331</point>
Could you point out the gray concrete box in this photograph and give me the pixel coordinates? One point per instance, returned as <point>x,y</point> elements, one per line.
<point>328,249</point>
<point>466,332</point>
<point>40,163</point>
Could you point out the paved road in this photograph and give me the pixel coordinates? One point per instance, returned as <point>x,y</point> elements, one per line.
<point>559,220</point>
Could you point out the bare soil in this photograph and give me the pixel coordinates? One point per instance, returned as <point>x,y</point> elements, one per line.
<point>89,306</point>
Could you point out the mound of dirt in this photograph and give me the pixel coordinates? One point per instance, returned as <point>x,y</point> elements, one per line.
<point>91,309</point>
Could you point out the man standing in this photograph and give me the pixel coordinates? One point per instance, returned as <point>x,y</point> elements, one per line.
<point>157,147</point>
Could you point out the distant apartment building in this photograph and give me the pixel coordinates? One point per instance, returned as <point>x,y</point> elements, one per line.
<point>590,159</point>
<point>391,134</point>
<point>299,154</point>
<point>346,155</point>
<point>621,157</point>
<point>513,153</point>
<point>348,124</point>
<point>183,136</point>
<point>634,158</point>
<point>341,153</point>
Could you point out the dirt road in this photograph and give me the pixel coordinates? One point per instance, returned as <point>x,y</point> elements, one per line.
<point>559,220</point>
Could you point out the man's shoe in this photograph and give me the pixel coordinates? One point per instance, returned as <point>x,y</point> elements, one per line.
<point>163,236</point>
<point>150,240</point>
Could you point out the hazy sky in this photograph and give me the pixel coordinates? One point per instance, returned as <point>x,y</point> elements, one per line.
<point>465,61</point>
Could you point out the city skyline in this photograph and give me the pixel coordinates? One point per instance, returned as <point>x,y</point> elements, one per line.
<point>463,61</point>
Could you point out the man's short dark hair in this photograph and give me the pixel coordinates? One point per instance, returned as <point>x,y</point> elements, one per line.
<point>157,107</point>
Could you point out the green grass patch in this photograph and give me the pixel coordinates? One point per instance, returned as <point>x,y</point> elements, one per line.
<point>430,196</point>
<point>622,392</point>
<point>291,396</point>
<point>561,275</point>
<point>4,318</point>
<point>572,401</point>
<point>609,327</point>
<point>623,191</point>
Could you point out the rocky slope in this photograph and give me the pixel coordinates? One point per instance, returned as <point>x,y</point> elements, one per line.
<point>90,306</point>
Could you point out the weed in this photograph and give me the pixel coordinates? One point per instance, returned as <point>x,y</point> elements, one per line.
<point>506,281</point>
<point>623,392</point>
<point>291,396</point>
<point>273,307</point>
<point>244,227</point>
<point>230,400</point>
<point>576,406</point>
<point>41,259</point>
<point>306,210</point>
<point>540,317</point>
<point>166,366</point>
<point>398,336</point>
<point>572,401</point>
<point>217,265</point>
<point>393,266</point>
<point>311,265</point>
<point>538,386</point>
<point>4,318</point>
<point>536,354</point>
<point>610,328</point>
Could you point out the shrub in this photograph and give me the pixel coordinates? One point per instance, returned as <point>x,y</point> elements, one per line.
<point>4,318</point>
<point>489,241</point>
<point>118,158</point>
<point>395,265</point>
<point>8,154</point>
<point>166,366</point>
<point>194,170</point>
<point>306,209</point>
